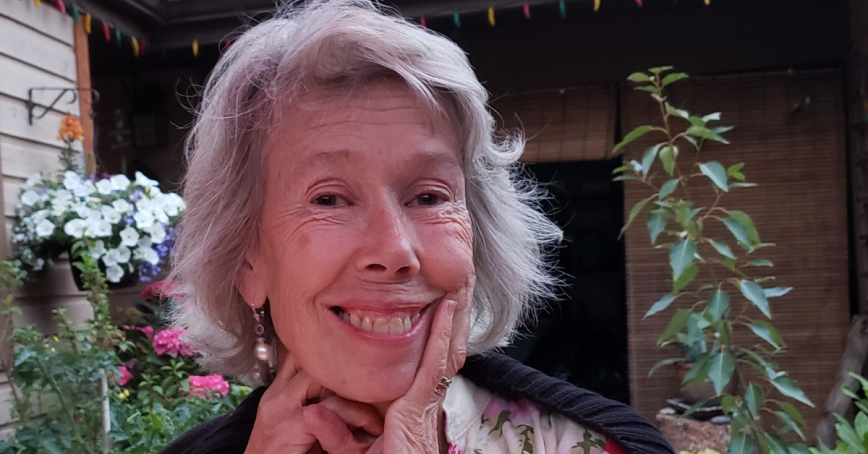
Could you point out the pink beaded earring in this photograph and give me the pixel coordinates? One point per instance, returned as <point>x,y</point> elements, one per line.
<point>262,351</point>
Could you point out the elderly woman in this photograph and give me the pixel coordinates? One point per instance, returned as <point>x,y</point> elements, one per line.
<point>354,231</point>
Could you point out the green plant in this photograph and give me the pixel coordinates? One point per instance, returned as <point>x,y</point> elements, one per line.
<point>719,318</point>
<point>852,438</point>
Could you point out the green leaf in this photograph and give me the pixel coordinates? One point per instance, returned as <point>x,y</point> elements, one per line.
<point>718,304</point>
<point>753,397</point>
<point>768,333</point>
<point>760,262</point>
<point>676,324</point>
<point>633,135</point>
<point>720,370</point>
<point>667,157</point>
<point>676,111</point>
<point>656,224</point>
<point>648,88</point>
<point>716,173</point>
<point>680,256</point>
<point>660,305</point>
<point>790,389</point>
<point>659,69</point>
<point>672,78</point>
<point>699,370</point>
<point>746,221</point>
<point>737,185</point>
<point>741,444</point>
<point>625,177</point>
<point>846,432</point>
<point>738,231</point>
<point>634,212</point>
<point>861,425</point>
<point>776,444</point>
<point>639,77</point>
<point>754,294</point>
<point>711,117</point>
<point>667,189</point>
<point>648,158</point>
<point>799,448</point>
<point>721,248</point>
<point>727,404</point>
<point>664,363</point>
<point>776,292</point>
<point>735,171</point>
<point>686,277</point>
<point>789,424</point>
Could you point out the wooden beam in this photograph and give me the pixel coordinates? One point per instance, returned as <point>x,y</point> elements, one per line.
<point>85,98</point>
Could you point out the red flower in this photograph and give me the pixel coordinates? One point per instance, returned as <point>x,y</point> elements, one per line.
<point>169,340</point>
<point>454,449</point>
<point>203,386</point>
<point>148,330</point>
<point>125,375</point>
<point>162,290</point>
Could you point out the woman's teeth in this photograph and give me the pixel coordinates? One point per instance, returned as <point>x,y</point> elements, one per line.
<point>380,325</point>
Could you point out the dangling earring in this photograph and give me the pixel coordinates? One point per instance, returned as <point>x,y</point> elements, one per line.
<point>262,351</point>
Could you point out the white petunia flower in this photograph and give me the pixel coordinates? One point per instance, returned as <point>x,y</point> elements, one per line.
<point>145,242</point>
<point>110,214</point>
<point>129,236</point>
<point>29,198</point>
<point>104,187</point>
<point>75,228</point>
<point>160,215</point>
<point>144,219</point>
<point>148,255</point>
<point>98,249</point>
<point>34,179</point>
<point>81,210</point>
<point>120,255</point>
<point>71,180</point>
<point>120,182</point>
<point>158,233</point>
<point>45,228</point>
<point>114,273</point>
<point>103,229</point>
<point>145,181</point>
<point>84,190</point>
<point>40,216</point>
<point>122,206</point>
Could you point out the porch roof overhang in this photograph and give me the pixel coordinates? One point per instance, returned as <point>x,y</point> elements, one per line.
<point>175,23</point>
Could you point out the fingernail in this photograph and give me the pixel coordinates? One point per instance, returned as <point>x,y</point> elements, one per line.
<point>450,307</point>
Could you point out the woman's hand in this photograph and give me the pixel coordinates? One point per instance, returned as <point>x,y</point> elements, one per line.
<point>413,422</point>
<point>287,424</point>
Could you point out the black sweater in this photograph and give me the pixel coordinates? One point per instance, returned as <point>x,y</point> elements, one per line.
<point>500,374</point>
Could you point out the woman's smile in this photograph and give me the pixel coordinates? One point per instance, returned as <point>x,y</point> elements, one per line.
<point>393,320</point>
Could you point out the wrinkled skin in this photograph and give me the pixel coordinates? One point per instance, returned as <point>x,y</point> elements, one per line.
<point>365,213</point>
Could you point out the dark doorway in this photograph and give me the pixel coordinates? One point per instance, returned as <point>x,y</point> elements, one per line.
<point>582,337</point>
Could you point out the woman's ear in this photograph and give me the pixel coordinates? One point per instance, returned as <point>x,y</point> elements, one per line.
<point>252,284</point>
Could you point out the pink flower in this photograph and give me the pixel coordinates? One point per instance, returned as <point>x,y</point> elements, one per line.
<point>148,330</point>
<point>519,412</point>
<point>162,290</point>
<point>454,449</point>
<point>125,375</point>
<point>169,341</point>
<point>203,386</point>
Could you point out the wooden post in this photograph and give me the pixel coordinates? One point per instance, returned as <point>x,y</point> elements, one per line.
<point>85,97</point>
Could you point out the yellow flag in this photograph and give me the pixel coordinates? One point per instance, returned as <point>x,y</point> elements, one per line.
<point>87,19</point>
<point>135,43</point>
<point>707,2</point>
<point>596,5</point>
<point>36,2</point>
<point>491,16</point>
<point>195,47</point>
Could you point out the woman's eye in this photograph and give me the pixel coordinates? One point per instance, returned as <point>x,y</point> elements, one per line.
<point>326,200</point>
<point>428,199</point>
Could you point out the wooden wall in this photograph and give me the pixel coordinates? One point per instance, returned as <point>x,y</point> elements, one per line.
<point>798,160</point>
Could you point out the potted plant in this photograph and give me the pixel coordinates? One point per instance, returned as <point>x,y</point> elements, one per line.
<point>130,223</point>
<point>723,316</point>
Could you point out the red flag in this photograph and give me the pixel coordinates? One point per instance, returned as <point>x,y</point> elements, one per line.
<point>142,46</point>
<point>106,32</point>
<point>62,7</point>
<point>423,22</point>
<point>526,9</point>
<point>639,2</point>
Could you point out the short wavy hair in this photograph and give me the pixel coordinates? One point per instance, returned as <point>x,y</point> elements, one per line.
<point>336,45</point>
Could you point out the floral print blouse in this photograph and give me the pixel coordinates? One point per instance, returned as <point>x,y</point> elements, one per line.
<point>479,422</point>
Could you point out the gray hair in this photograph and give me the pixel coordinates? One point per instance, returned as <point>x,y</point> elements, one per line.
<point>340,44</point>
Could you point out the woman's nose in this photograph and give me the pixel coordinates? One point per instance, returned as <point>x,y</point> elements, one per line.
<point>390,244</point>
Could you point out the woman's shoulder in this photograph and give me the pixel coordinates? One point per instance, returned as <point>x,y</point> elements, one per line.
<point>504,392</point>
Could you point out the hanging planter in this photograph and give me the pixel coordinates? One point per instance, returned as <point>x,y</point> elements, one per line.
<point>129,279</point>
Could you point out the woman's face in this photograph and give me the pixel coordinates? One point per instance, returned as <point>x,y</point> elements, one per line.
<point>365,229</point>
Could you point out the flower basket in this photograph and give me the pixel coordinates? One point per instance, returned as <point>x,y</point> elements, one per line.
<point>129,279</point>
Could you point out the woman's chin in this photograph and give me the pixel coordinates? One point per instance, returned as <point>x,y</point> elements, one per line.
<point>374,387</point>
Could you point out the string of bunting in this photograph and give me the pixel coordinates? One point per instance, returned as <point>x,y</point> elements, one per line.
<point>139,45</point>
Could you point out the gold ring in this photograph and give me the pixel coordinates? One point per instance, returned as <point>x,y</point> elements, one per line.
<point>441,388</point>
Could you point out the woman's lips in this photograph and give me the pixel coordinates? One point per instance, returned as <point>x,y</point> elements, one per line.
<point>393,323</point>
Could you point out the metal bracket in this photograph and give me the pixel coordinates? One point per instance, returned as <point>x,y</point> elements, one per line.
<point>31,106</point>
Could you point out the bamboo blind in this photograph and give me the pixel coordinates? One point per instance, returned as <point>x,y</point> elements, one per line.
<point>798,160</point>
<point>566,125</point>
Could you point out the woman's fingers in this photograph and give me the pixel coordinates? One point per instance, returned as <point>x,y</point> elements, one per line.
<point>333,421</point>
<point>433,366</point>
<point>461,329</point>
